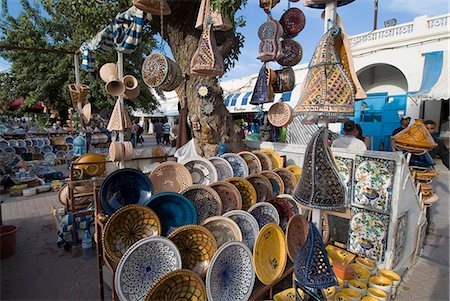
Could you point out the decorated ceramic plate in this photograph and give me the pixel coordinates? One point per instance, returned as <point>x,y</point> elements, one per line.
<point>264,213</point>
<point>46,140</point>
<point>262,186</point>
<point>49,156</point>
<point>126,226</point>
<point>345,171</point>
<point>229,194</point>
<point>293,205</point>
<point>247,191</point>
<point>231,275</point>
<point>296,234</point>
<point>248,225</point>
<point>223,168</point>
<point>367,232</point>
<point>4,144</point>
<point>143,264</point>
<point>275,157</point>
<point>174,210</point>
<point>266,162</point>
<point>202,171</point>
<point>170,177</point>
<point>145,165</point>
<point>284,211</point>
<point>206,200</point>
<point>21,143</point>
<point>275,180</point>
<point>124,187</point>
<point>197,247</point>
<point>178,285</point>
<point>14,143</point>
<point>240,168</point>
<point>269,254</point>
<point>40,142</point>
<point>253,163</point>
<point>47,149</point>
<point>296,170</point>
<point>288,178</point>
<point>60,154</point>
<point>223,229</point>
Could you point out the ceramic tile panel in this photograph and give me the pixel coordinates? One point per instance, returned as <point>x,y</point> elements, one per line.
<point>373,181</point>
<point>345,167</point>
<point>368,233</point>
<point>400,238</point>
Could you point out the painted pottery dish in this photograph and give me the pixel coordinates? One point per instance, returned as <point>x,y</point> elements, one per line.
<point>293,205</point>
<point>247,191</point>
<point>23,150</point>
<point>231,275</point>
<point>14,143</point>
<point>68,140</point>
<point>223,229</point>
<point>253,163</point>
<point>240,168</point>
<point>202,171</point>
<point>293,21</point>
<point>4,144</point>
<point>339,255</point>
<point>124,187</point>
<point>264,213</point>
<point>360,273</point>
<point>178,285</point>
<point>197,247</point>
<point>22,143</point>
<point>170,177</point>
<point>288,178</point>
<point>262,186</point>
<point>40,142</point>
<point>143,264</point>
<point>283,209</point>
<point>266,161</point>
<point>229,194</point>
<point>367,232</point>
<point>174,210</point>
<point>269,254</point>
<point>275,180</point>
<point>11,150</point>
<point>60,154</point>
<point>96,166</point>
<point>28,142</point>
<point>223,168</point>
<point>126,226</point>
<point>296,234</point>
<point>49,157</point>
<point>275,157</point>
<point>206,200</point>
<point>248,225</point>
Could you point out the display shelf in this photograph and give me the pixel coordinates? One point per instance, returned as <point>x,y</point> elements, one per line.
<point>260,289</point>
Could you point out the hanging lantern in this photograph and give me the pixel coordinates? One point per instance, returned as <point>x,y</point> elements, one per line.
<point>285,80</point>
<point>293,21</point>
<point>270,33</point>
<point>160,71</point>
<point>263,91</point>
<point>267,5</point>
<point>292,53</point>
<point>415,138</point>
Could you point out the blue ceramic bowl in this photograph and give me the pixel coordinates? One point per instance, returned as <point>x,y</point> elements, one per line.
<point>124,187</point>
<point>173,210</point>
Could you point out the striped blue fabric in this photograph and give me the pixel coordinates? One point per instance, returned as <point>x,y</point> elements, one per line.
<point>234,99</point>
<point>124,35</point>
<point>246,97</point>
<point>226,100</point>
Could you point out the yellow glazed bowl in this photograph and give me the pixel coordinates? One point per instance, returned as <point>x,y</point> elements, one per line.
<point>352,294</point>
<point>366,263</point>
<point>342,297</point>
<point>277,162</point>
<point>296,170</point>
<point>393,276</point>
<point>287,295</point>
<point>380,281</point>
<point>377,294</point>
<point>329,292</point>
<point>358,286</point>
<point>92,169</point>
<point>368,298</point>
<point>360,273</point>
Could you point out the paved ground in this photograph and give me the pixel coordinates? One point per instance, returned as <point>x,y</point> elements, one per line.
<point>41,271</point>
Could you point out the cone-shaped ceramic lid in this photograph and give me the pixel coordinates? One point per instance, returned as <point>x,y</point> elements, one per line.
<point>415,136</point>
<point>207,59</point>
<point>327,89</point>
<point>320,185</point>
<point>120,120</point>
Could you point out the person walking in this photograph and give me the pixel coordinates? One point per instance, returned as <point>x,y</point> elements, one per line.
<point>349,140</point>
<point>158,128</point>
<point>166,132</point>
<point>441,150</point>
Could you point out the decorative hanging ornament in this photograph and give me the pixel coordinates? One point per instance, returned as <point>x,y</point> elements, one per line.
<point>154,7</point>
<point>263,92</point>
<point>267,5</point>
<point>203,91</point>
<point>207,107</point>
<point>292,53</point>
<point>321,4</point>
<point>414,139</point>
<point>219,21</point>
<point>270,33</point>
<point>327,89</point>
<point>293,21</point>
<point>160,71</point>
<point>195,123</point>
<point>285,80</point>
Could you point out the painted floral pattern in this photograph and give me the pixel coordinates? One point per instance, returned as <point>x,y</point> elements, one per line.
<point>345,168</point>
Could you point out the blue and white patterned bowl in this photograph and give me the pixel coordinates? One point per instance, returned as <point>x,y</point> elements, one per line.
<point>203,172</point>
<point>293,204</point>
<point>143,264</point>
<point>248,225</point>
<point>264,213</point>
<point>231,275</point>
<point>223,168</point>
<point>240,168</point>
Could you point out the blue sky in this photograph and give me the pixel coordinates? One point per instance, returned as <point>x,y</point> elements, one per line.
<point>357,18</point>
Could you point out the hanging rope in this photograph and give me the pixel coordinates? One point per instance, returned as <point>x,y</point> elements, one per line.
<point>161,24</point>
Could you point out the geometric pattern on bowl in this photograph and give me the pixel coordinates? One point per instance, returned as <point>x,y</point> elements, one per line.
<point>229,194</point>
<point>196,245</point>
<point>266,162</point>
<point>143,264</point>
<point>264,213</point>
<point>293,205</point>
<point>170,177</point>
<point>284,211</point>
<point>203,172</point>
<point>231,275</point>
<point>240,168</point>
<point>253,163</point>
<point>223,168</point>
<point>276,181</point>
<point>288,178</point>
<point>126,226</point>
<point>206,200</point>
<point>296,234</point>
<point>247,191</point>
<point>274,156</point>
<point>223,229</point>
<point>248,225</point>
<point>262,186</point>
<point>178,285</point>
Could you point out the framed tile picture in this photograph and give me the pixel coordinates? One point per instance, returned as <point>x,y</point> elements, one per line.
<point>345,168</point>
<point>400,238</point>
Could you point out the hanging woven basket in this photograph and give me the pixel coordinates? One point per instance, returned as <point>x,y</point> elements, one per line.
<point>207,59</point>
<point>280,114</point>
<point>160,71</point>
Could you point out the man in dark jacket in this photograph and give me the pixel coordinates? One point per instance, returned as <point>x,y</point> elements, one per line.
<point>441,150</point>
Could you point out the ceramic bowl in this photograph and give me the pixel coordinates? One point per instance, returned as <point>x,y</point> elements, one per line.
<point>275,180</point>
<point>29,191</point>
<point>382,283</point>
<point>358,286</point>
<point>126,226</point>
<point>377,294</point>
<point>206,200</point>
<point>339,255</point>
<point>14,143</point>
<point>286,295</point>
<point>296,234</point>
<point>262,186</point>
<point>178,285</point>
<point>94,169</point>
<point>203,172</point>
<point>223,168</point>
<point>223,229</point>
<point>393,276</point>
<point>170,177</point>
<point>68,140</point>
<point>269,254</point>
<point>143,264</point>
<point>238,164</point>
<point>264,213</point>
<point>360,273</point>
<point>275,157</point>
<point>43,188</point>
<point>283,209</point>
<point>288,178</point>
<point>341,297</point>
<point>248,225</point>
<point>173,209</point>
<point>197,247</point>
<point>329,292</point>
<point>231,275</point>
<point>253,163</point>
<point>124,187</point>
<point>293,204</point>
<point>266,162</point>
<point>366,263</point>
<point>247,191</point>
<point>40,142</point>
<point>21,143</point>
<point>229,195</point>
<point>369,298</point>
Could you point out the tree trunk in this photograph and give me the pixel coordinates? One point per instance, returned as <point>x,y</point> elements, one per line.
<point>181,35</point>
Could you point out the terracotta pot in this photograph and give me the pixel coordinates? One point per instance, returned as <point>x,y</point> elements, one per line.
<point>108,73</point>
<point>153,6</point>
<point>132,89</point>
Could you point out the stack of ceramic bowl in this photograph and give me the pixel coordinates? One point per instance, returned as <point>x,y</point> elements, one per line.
<point>352,294</point>
<point>377,294</point>
<point>394,277</point>
<point>368,264</point>
<point>360,273</point>
<point>382,283</point>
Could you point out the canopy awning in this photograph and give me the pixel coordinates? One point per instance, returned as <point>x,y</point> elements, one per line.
<point>434,77</point>
<point>37,107</point>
